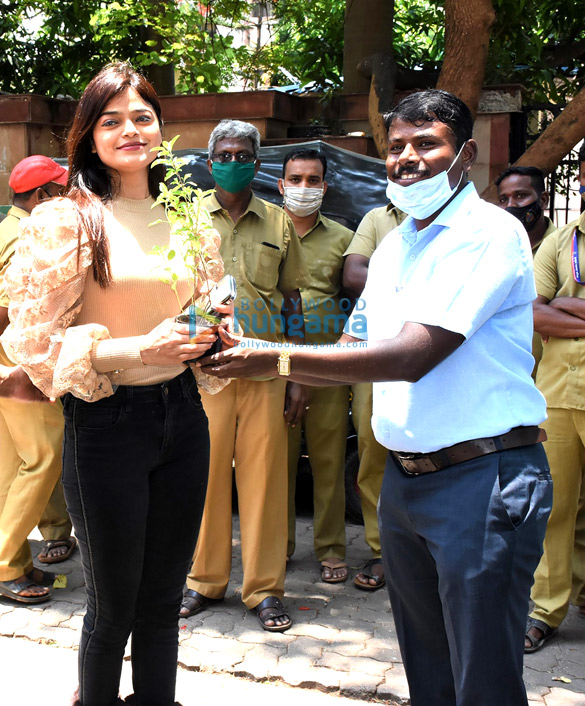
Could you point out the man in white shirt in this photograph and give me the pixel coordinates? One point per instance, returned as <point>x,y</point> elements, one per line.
<point>467,490</point>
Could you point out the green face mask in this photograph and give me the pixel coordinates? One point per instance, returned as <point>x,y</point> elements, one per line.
<point>233,176</point>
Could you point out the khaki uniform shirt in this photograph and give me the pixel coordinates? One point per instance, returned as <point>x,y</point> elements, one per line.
<point>374,226</point>
<point>561,373</point>
<point>8,238</point>
<point>324,309</point>
<point>263,253</point>
<point>536,337</point>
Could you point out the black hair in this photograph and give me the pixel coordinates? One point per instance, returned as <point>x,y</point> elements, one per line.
<point>304,153</point>
<point>581,155</point>
<point>534,173</point>
<point>90,184</point>
<point>435,105</point>
<point>26,195</point>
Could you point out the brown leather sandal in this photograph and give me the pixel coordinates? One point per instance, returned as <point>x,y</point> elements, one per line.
<point>48,544</point>
<point>328,566</point>
<point>195,602</point>
<point>269,609</point>
<point>14,589</point>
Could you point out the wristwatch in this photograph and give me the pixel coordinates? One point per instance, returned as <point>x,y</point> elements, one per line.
<point>283,364</point>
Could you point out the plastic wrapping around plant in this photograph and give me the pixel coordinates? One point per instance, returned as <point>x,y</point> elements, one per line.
<point>199,322</point>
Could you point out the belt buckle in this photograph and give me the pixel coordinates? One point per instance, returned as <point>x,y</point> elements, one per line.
<point>408,463</point>
<point>416,464</point>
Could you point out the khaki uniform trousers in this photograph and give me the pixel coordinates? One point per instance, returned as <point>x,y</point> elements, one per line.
<point>55,522</point>
<point>325,425</point>
<point>31,441</point>
<point>372,456</point>
<point>560,575</point>
<point>246,425</point>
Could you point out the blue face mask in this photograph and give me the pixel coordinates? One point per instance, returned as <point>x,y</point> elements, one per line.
<point>423,198</point>
<point>582,192</point>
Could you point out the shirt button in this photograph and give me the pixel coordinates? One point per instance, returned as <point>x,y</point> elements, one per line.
<point>234,259</point>
<point>166,391</point>
<point>572,367</point>
<point>235,231</point>
<point>413,257</point>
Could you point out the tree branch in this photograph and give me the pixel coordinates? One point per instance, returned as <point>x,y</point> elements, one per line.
<point>560,54</point>
<point>554,143</point>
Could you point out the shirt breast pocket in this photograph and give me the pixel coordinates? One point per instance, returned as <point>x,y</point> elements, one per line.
<point>262,263</point>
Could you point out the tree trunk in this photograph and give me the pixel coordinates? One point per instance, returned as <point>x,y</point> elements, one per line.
<point>559,138</point>
<point>162,76</point>
<point>379,132</point>
<point>381,99</point>
<point>467,34</point>
<point>367,30</point>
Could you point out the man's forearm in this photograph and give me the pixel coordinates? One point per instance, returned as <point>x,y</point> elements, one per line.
<point>553,320</point>
<point>414,352</point>
<point>15,384</point>
<point>570,305</point>
<point>4,320</point>
<point>292,313</point>
<point>4,375</point>
<point>313,381</point>
<point>355,273</point>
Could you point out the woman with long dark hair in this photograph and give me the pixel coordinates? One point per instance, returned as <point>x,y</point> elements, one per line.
<point>91,320</point>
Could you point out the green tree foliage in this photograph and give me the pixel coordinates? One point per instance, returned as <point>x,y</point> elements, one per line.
<point>541,44</point>
<point>52,47</point>
<point>419,34</point>
<point>308,42</point>
<point>183,34</point>
<point>45,47</point>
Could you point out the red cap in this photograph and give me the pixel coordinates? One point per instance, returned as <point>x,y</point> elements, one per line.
<point>35,171</point>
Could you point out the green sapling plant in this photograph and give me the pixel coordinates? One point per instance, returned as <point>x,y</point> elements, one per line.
<point>196,242</point>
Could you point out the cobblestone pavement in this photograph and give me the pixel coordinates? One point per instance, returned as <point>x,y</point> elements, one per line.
<point>343,640</point>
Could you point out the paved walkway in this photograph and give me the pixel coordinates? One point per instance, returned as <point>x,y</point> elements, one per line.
<point>342,641</point>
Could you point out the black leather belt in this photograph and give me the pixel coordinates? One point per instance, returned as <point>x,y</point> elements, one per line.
<point>415,464</point>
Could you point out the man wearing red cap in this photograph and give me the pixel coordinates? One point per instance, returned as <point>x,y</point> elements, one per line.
<point>31,435</point>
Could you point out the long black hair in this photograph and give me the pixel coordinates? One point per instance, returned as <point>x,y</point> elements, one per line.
<point>90,183</point>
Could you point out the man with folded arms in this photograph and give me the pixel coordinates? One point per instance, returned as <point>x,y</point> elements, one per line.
<point>31,435</point>
<point>559,316</point>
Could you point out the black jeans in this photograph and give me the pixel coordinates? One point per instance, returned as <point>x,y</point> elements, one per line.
<point>135,471</point>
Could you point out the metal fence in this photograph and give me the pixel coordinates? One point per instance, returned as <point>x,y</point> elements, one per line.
<point>563,184</point>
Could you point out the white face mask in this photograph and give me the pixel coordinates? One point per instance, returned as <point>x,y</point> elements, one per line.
<point>423,198</point>
<point>302,201</point>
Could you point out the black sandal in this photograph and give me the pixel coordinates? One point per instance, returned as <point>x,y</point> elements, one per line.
<point>535,642</point>
<point>272,608</point>
<point>367,573</point>
<point>47,579</point>
<point>195,602</point>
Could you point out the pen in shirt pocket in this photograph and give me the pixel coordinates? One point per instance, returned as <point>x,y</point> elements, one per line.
<point>270,245</point>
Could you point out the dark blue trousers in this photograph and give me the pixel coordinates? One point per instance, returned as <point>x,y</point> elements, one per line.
<point>460,547</point>
<point>135,474</point>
